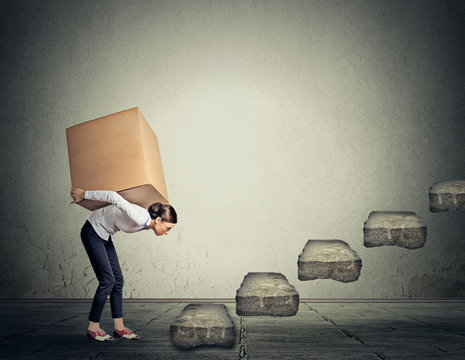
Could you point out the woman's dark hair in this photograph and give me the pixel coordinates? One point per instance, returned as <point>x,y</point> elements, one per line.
<point>166,212</point>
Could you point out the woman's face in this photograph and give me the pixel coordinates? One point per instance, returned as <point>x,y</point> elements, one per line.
<point>162,227</point>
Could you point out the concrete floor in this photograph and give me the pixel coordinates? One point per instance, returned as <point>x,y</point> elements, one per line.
<point>320,330</point>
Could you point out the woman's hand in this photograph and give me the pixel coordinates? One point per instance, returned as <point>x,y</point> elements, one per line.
<point>77,195</point>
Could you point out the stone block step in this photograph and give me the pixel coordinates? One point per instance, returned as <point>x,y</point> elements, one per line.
<point>400,228</point>
<point>447,196</point>
<point>329,259</point>
<point>266,294</point>
<point>203,324</point>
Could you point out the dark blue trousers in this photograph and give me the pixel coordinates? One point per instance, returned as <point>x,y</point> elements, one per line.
<point>104,260</point>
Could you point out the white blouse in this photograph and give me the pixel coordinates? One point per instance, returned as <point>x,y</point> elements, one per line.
<point>120,215</point>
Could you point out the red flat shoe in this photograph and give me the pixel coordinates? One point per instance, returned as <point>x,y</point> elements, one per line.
<point>99,335</point>
<point>125,333</point>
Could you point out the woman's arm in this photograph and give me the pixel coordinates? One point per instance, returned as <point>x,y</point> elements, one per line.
<point>111,197</point>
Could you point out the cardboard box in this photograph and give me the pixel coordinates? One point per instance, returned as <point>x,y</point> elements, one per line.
<point>117,152</point>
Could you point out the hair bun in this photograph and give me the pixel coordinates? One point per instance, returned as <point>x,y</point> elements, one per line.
<point>155,210</point>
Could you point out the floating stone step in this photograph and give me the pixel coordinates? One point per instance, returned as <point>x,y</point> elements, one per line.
<point>447,196</point>
<point>401,228</point>
<point>203,324</point>
<point>266,294</point>
<point>329,259</point>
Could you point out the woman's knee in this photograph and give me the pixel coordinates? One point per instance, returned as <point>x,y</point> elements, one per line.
<point>107,284</point>
<point>119,281</point>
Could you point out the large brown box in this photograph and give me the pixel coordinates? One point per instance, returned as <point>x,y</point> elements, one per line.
<point>117,152</point>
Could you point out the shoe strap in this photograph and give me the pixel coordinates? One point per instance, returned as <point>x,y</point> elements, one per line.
<point>97,333</point>
<point>101,333</point>
<point>125,331</point>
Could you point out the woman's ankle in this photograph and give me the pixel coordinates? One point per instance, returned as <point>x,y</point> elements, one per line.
<point>118,324</point>
<point>93,326</point>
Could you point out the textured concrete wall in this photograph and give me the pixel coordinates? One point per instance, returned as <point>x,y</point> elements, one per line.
<point>278,122</point>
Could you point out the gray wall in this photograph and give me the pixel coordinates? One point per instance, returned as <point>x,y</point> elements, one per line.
<point>278,122</point>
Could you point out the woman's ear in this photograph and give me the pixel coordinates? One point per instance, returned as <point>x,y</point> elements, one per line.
<point>158,220</point>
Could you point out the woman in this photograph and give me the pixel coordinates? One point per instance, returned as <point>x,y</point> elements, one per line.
<point>96,235</point>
